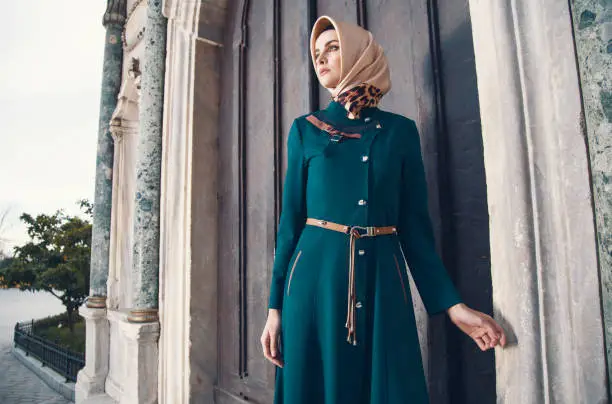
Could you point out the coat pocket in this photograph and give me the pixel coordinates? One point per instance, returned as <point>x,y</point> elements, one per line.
<point>293,269</point>
<point>399,274</point>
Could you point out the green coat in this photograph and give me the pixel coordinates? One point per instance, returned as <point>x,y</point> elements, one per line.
<point>334,181</point>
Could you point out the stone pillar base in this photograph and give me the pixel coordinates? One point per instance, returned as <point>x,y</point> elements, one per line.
<point>103,399</point>
<point>90,380</point>
<point>140,384</point>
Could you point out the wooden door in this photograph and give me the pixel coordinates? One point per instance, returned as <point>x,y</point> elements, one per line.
<point>267,80</point>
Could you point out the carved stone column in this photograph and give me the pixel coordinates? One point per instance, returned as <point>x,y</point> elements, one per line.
<point>543,250</point>
<point>90,380</point>
<point>124,127</point>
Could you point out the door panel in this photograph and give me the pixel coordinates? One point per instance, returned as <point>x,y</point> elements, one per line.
<point>259,180</point>
<point>297,80</point>
<point>267,81</point>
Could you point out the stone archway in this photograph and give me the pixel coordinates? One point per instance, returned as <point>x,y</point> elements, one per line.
<point>190,249</point>
<point>543,259</point>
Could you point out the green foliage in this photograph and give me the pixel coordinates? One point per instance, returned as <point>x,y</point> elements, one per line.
<point>56,259</point>
<point>55,329</point>
<point>5,262</point>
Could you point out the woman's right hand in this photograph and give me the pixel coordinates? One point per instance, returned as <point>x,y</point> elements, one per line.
<point>271,336</point>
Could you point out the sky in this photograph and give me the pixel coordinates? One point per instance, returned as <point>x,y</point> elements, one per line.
<point>50,77</point>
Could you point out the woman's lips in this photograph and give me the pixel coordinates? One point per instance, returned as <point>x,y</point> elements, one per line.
<point>323,72</point>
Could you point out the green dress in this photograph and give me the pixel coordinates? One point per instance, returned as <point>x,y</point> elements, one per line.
<point>376,179</point>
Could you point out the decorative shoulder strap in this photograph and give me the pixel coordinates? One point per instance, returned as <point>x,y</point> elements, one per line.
<point>335,133</point>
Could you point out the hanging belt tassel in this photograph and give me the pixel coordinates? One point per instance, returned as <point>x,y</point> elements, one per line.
<point>350,312</point>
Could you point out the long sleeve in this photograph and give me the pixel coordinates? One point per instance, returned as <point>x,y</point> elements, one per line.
<point>293,214</point>
<point>416,233</point>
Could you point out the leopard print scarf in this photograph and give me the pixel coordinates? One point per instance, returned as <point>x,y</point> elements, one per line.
<point>358,97</point>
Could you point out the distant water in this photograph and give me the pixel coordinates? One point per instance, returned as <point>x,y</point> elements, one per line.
<point>17,306</point>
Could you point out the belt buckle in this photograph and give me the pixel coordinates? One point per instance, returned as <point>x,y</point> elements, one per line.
<point>355,231</point>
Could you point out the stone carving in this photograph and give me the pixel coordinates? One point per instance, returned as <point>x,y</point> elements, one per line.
<point>125,116</point>
<point>134,28</point>
<point>124,129</point>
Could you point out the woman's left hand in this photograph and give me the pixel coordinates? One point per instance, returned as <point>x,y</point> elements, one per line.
<point>477,325</point>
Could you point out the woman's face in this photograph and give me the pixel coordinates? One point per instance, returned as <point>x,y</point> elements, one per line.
<point>327,58</point>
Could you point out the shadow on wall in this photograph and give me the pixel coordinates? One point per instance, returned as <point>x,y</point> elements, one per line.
<point>462,190</point>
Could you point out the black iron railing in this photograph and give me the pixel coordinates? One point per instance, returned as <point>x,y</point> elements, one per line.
<point>64,361</point>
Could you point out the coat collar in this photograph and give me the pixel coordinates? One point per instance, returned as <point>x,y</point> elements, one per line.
<point>336,113</point>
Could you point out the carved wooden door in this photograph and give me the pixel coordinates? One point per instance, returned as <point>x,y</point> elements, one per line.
<point>267,80</point>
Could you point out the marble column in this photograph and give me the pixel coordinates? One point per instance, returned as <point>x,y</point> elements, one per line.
<point>113,20</point>
<point>142,326</point>
<point>593,35</point>
<point>148,169</point>
<point>90,380</point>
<point>543,247</point>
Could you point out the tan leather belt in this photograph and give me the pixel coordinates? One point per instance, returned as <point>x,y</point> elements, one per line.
<point>354,232</point>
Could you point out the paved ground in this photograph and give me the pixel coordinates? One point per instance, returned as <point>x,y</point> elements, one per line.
<point>18,385</point>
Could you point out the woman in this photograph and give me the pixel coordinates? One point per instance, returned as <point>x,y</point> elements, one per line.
<point>341,325</point>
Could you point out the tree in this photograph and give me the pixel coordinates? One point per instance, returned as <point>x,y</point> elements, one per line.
<point>56,259</point>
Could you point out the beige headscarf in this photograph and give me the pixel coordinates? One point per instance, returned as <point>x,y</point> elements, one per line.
<point>362,59</point>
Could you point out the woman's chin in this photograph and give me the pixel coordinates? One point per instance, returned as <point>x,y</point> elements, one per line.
<point>329,84</point>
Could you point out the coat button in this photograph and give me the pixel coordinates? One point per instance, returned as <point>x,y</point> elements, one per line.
<point>368,119</point>
<point>378,126</point>
<point>358,305</point>
<point>362,202</point>
<point>364,158</point>
<point>361,252</point>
